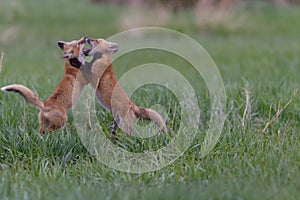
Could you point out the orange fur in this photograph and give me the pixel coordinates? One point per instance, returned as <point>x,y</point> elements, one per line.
<point>53,111</point>
<point>109,92</point>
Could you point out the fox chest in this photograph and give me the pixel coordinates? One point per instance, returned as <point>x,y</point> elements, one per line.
<point>104,92</point>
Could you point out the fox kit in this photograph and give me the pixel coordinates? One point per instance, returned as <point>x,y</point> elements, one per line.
<point>109,92</point>
<point>53,111</point>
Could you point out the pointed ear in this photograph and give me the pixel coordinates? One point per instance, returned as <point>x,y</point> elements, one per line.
<point>81,40</point>
<point>61,44</point>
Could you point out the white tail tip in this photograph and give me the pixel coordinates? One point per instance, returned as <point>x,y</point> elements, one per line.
<point>10,87</point>
<point>4,88</point>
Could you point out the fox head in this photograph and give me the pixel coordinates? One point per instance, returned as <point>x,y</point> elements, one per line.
<point>73,51</point>
<point>100,46</point>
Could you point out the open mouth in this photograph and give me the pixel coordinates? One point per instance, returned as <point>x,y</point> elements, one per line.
<point>86,51</point>
<point>65,57</point>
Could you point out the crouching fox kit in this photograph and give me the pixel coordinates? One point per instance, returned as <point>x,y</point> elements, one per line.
<point>109,92</point>
<point>53,111</point>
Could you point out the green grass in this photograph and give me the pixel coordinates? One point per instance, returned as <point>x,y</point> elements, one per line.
<point>260,54</point>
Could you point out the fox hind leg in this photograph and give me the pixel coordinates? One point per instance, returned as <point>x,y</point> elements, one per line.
<point>114,127</point>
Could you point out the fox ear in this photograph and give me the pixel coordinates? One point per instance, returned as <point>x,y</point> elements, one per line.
<point>61,44</point>
<point>81,40</point>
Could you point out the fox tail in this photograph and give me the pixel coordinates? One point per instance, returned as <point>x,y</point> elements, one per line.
<point>150,114</point>
<point>28,95</point>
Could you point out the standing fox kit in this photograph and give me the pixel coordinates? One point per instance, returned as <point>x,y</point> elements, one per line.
<point>53,111</point>
<point>109,92</point>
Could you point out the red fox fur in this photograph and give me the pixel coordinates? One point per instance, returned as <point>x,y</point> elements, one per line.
<point>53,111</point>
<point>109,92</point>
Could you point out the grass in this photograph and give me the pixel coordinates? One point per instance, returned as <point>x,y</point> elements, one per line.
<point>260,55</point>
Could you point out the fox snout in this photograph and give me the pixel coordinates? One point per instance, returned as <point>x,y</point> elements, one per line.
<point>113,47</point>
<point>100,46</point>
<point>86,52</point>
<point>67,55</point>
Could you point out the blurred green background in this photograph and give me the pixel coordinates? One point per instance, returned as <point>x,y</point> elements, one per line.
<point>256,47</point>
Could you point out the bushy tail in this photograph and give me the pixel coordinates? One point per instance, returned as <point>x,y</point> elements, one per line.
<point>149,114</point>
<point>28,95</point>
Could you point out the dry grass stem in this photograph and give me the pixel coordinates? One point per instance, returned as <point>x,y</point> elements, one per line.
<point>279,111</point>
<point>247,107</point>
<point>1,59</point>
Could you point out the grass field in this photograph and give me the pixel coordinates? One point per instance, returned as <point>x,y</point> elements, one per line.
<point>256,48</point>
